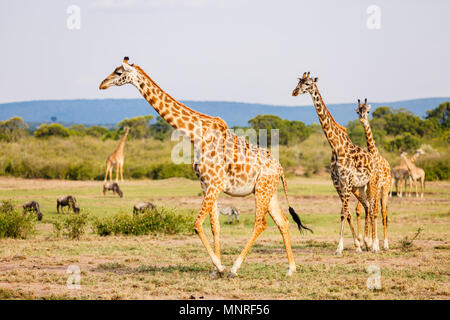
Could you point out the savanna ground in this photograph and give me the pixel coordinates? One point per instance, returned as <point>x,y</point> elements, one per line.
<point>177,266</point>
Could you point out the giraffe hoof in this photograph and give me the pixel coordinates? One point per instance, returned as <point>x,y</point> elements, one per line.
<point>338,252</point>
<point>215,274</point>
<point>375,247</point>
<point>232,274</point>
<point>358,249</point>
<point>386,245</point>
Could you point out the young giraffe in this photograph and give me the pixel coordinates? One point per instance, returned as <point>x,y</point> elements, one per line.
<point>116,159</point>
<point>352,168</point>
<point>223,162</point>
<point>384,172</point>
<point>415,173</point>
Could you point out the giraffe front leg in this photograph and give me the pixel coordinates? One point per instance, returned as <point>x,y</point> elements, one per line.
<point>208,201</point>
<point>215,229</point>
<point>345,197</point>
<point>121,172</point>
<point>107,170</point>
<point>117,172</point>
<point>422,186</point>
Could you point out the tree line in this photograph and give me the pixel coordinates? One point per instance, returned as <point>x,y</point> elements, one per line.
<point>393,129</point>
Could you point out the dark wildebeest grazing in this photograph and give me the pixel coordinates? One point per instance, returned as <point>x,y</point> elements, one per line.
<point>67,201</point>
<point>143,206</point>
<point>112,186</point>
<point>228,211</point>
<point>32,206</point>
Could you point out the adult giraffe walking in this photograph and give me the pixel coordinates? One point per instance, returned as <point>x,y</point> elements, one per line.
<point>226,163</point>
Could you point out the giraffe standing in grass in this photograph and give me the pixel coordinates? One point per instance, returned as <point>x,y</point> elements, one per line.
<point>116,159</point>
<point>384,178</point>
<point>400,175</point>
<point>415,173</point>
<point>223,162</point>
<point>352,168</point>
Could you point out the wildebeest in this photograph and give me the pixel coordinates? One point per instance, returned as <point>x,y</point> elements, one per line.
<point>112,186</point>
<point>143,206</point>
<point>67,201</point>
<point>228,211</point>
<point>33,206</point>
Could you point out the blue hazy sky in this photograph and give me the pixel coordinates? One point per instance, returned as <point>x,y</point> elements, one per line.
<point>232,50</point>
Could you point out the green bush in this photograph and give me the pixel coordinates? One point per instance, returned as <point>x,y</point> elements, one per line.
<point>436,168</point>
<point>74,225</point>
<point>53,129</point>
<point>160,220</point>
<point>15,224</point>
<point>406,142</point>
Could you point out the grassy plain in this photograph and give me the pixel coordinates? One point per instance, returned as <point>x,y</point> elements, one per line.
<point>177,266</point>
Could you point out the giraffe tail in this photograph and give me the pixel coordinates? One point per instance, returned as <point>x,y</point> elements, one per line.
<point>294,214</point>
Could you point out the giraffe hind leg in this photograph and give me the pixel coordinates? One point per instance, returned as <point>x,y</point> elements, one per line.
<point>283,225</point>
<point>262,198</point>
<point>384,216</point>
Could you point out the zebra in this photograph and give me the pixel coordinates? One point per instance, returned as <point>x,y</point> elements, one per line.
<point>229,211</point>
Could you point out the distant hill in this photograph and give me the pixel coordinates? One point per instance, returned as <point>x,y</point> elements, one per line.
<point>111,111</point>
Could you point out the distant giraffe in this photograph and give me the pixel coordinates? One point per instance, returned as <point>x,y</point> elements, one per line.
<point>224,162</point>
<point>116,159</point>
<point>383,172</point>
<point>400,175</point>
<point>352,168</point>
<point>415,173</point>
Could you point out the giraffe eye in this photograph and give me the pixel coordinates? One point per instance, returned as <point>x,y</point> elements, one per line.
<point>118,73</point>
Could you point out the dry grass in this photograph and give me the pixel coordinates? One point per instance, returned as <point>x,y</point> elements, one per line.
<point>177,266</point>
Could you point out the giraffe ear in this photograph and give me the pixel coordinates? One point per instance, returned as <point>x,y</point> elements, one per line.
<point>126,66</point>
<point>316,79</point>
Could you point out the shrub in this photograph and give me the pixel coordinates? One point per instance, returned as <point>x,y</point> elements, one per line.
<point>13,129</point>
<point>407,142</point>
<point>74,225</point>
<point>15,224</point>
<point>436,168</point>
<point>53,129</point>
<point>160,220</point>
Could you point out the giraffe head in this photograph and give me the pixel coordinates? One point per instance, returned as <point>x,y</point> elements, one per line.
<point>403,154</point>
<point>123,74</point>
<point>305,85</point>
<point>363,110</point>
<point>420,151</point>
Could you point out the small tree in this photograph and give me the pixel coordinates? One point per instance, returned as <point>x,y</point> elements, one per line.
<point>13,129</point>
<point>53,129</point>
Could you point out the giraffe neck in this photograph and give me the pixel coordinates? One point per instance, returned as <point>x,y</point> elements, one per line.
<point>176,114</point>
<point>369,137</point>
<point>122,143</point>
<point>335,133</point>
<point>409,165</point>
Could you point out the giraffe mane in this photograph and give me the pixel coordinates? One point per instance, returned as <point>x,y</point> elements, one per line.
<point>220,120</point>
